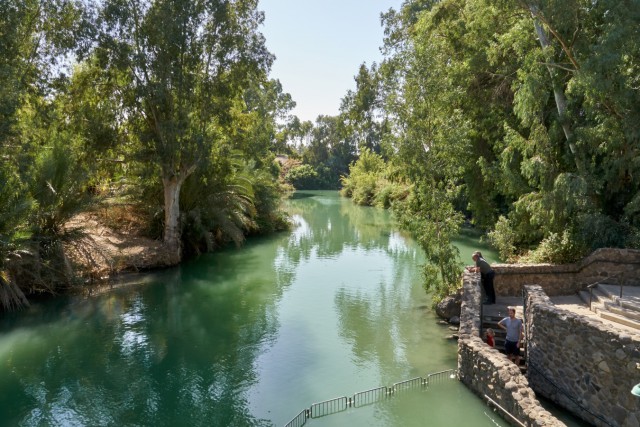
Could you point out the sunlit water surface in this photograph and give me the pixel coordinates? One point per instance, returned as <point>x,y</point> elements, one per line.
<point>246,337</point>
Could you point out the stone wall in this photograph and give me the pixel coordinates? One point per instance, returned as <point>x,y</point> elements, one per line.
<point>611,266</point>
<point>580,363</point>
<point>486,371</point>
<point>577,361</point>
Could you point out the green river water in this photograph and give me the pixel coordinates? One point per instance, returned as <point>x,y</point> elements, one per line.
<point>246,337</point>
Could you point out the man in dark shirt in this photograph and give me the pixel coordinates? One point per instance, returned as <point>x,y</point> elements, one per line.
<point>486,277</point>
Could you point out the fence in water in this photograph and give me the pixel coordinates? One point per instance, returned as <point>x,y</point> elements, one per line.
<point>368,397</point>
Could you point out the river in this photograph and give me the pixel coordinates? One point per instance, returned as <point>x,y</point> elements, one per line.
<point>246,336</point>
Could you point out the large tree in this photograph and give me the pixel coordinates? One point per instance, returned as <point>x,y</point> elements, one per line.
<point>527,110</point>
<point>37,38</point>
<point>188,62</point>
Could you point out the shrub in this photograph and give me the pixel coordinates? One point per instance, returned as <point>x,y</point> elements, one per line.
<point>303,177</point>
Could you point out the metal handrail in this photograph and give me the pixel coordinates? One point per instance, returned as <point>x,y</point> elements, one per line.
<point>590,287</point>
<point>504,411</point>
<point>525,297</point>
<point>621,280</point>
<point>363,398</point>
<point>568,396</point>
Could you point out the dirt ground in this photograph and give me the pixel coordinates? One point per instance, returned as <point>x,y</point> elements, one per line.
<point>103,251</point>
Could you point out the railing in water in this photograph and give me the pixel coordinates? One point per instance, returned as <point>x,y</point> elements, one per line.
<point>368,397</point>
<point>506,414</point>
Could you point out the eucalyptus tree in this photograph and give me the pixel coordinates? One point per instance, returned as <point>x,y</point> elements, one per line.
<point>330,151</point>
<point>187,62</point>
<point>263,118</point>
<point>298,134</point>
<point>362,112</point>
<point>526,111</point>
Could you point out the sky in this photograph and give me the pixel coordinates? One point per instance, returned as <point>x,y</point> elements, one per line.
<point>319,46</point>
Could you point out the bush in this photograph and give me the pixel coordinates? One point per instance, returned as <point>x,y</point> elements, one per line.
<point>557,249</point>
<point>303,177</point>
<point>503,238</point>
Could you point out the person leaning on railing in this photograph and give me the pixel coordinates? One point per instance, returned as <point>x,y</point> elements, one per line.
<point>486,276</point>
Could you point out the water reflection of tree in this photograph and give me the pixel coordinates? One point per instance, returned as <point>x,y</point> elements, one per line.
<point>374,322</point>
<point>369,320</point>
<point>178,354</point>
<point>333,223</point>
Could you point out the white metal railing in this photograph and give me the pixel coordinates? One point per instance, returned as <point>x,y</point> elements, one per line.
<point>368,397</point>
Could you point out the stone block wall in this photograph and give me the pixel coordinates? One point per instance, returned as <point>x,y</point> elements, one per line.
<point>606,265</point>
<point>577,361</point>
<point>486,371</point>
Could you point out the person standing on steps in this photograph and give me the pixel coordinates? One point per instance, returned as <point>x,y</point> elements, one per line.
<point>491,337</point>
<point>486,277</point>
<point>515,333</point>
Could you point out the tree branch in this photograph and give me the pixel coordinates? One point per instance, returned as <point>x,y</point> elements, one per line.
<point>555,65</point>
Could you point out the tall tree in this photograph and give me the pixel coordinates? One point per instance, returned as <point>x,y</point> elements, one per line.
<point>187,63</point>
<point>362,111</point>
<point>330,150</point>
<point>37,40</point>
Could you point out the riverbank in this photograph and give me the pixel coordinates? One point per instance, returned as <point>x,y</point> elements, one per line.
<point>101,251</point>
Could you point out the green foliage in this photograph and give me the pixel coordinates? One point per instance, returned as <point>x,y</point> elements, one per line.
<point>57,186</point>
<point>364,119</point>
<point>503,238</point>
<point>368,182</point>
<point>390,192</point>
<point>226,202</point>
<point>435,223</point>
<point>526,113</point>
<point>556,248</point>
<point>303,177</point>
<point>14,205</point>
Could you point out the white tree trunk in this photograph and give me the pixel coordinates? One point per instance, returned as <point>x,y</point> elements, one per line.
<point>558,92</point>
<point>172,185</point>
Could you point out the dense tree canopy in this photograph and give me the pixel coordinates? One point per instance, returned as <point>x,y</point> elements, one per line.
<point>186,65</point>
<point>163,106</point>
<point>520,116</point>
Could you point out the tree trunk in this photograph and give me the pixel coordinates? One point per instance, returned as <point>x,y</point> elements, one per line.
<point>172,185</point>
<point>558,93</point>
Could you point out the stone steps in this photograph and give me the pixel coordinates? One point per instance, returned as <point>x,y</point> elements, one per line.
<point>605,301</point>
<point>620,319</point>
<point>623,310</point>
<point>489,321</point>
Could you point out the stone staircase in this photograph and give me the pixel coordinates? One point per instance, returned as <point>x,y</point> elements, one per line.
<point>605,301</point>
<point>490,320</point>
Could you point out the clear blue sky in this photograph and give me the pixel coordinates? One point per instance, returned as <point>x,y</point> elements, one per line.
<point>319,45</point>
